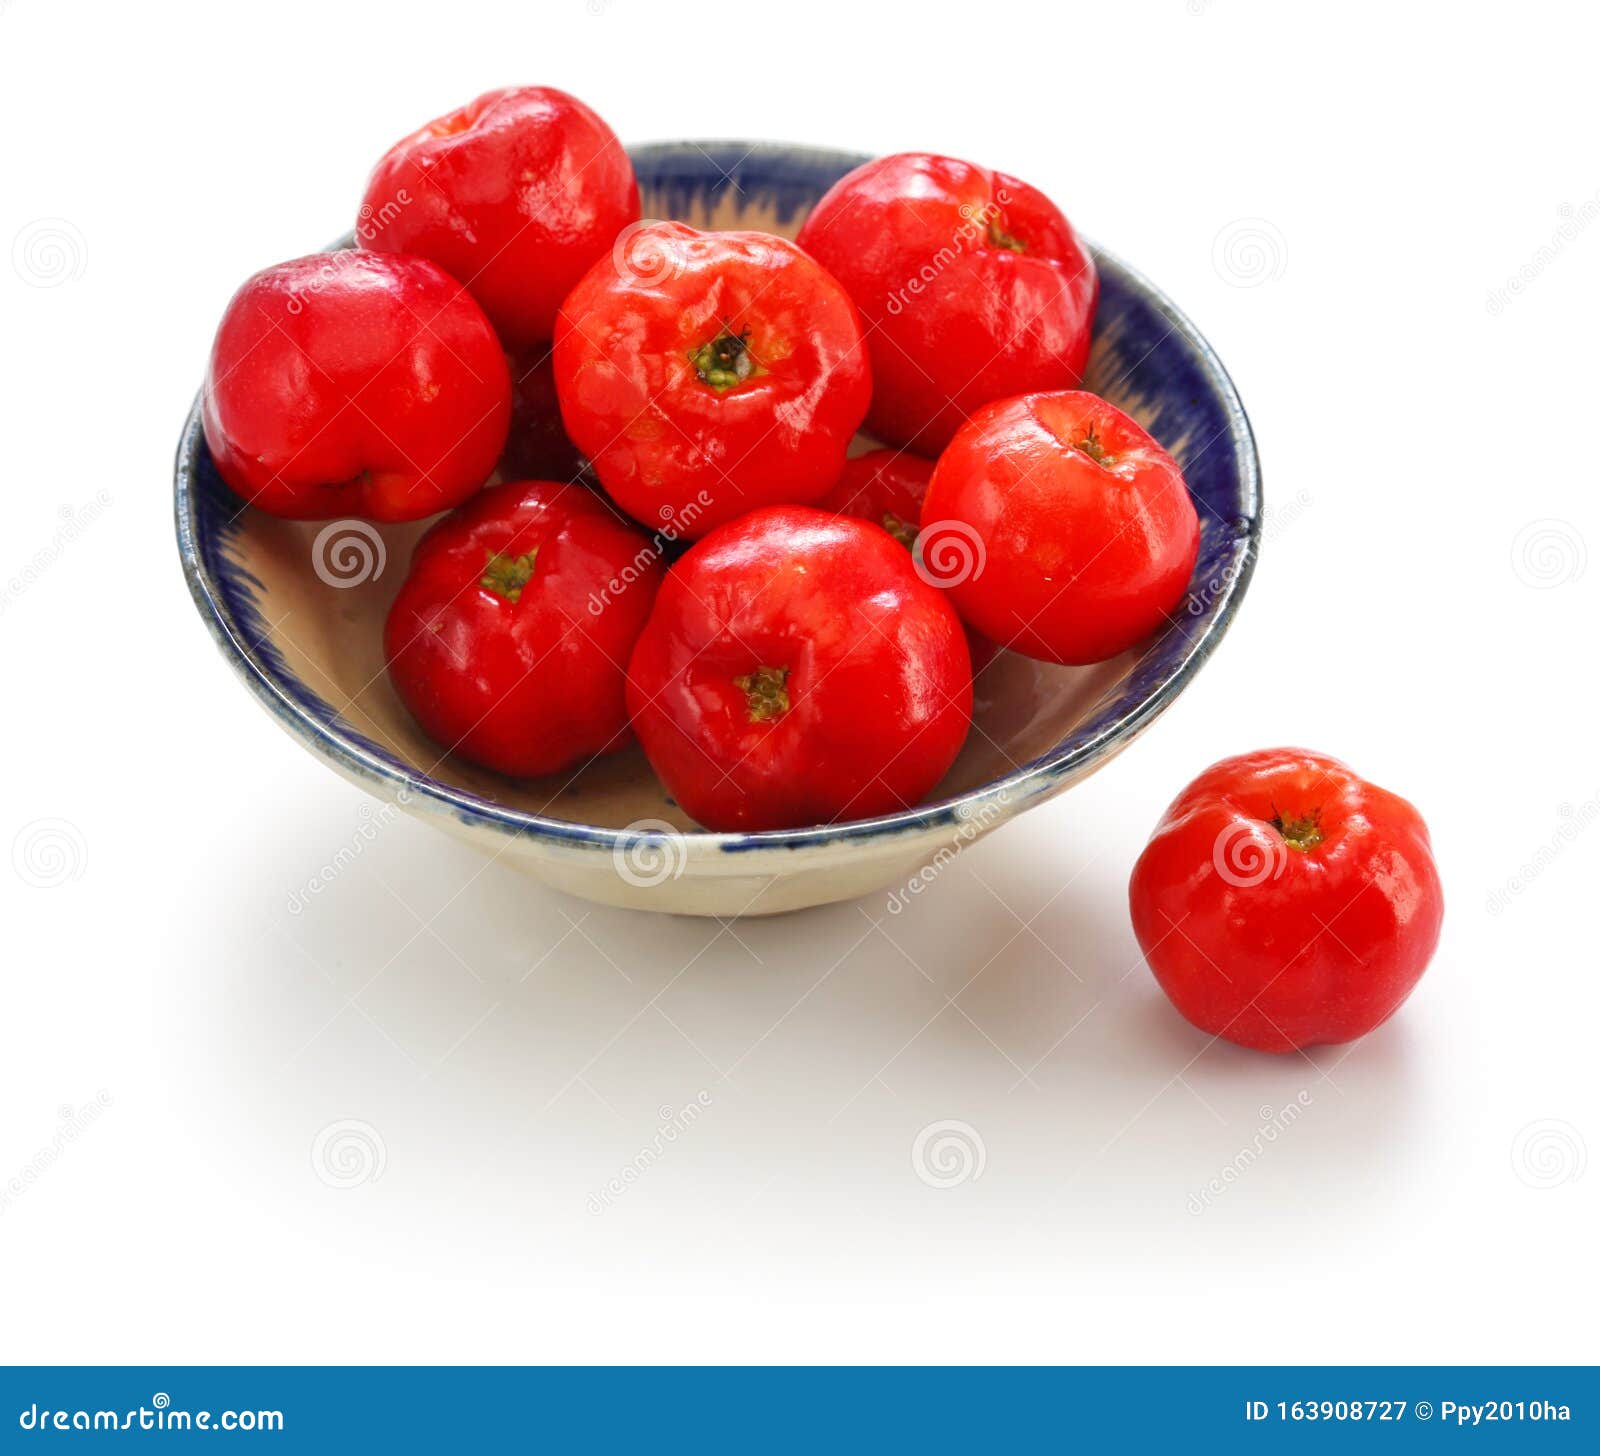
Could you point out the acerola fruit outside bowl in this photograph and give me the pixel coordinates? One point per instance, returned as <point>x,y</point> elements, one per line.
<point>609,833</point>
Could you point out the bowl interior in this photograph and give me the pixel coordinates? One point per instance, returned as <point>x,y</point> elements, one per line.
<point>300,606</point>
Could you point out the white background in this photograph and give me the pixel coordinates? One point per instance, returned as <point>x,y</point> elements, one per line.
<point>1334,195</point>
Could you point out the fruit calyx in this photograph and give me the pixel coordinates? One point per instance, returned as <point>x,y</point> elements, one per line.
<point>725,361</point>
<point>902,531</point>
<point>1000,238</point>
<point>506,576</point>
<point>1091,446</point>
<point>1299,831</point>
<point>766,692</point>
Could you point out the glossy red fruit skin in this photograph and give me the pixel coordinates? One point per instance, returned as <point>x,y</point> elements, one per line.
<point>537,446</point>
<point>887,487</point>
<point>1062,556</point>
<point>531,685</point>
<point>1277,947</point>
<point>355,384</point>
<point>671,449</point>
<point>956,316</point>
<point>516,194</point>
<point>879,690</point>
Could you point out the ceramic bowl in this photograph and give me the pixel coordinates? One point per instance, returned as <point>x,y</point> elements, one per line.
<point>297,610</point>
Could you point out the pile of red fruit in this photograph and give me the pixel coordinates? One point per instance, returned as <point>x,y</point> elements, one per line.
<point>809,658</point>
<point>638,385</point>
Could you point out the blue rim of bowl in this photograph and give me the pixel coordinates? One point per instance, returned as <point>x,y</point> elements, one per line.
<point>702,166</point>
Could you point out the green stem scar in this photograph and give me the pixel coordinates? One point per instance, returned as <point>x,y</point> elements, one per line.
<point>1000,238</point>
<point>1302,832</point>
<point>766,692</point>
<point>1091,446</point>
<point>506,576</point>
<point>725,361</point>
<point>902,531</point>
